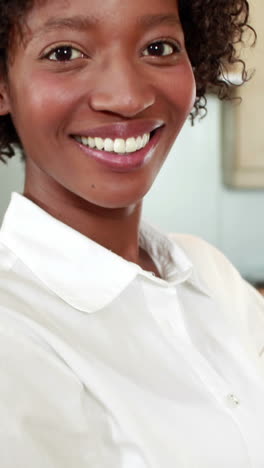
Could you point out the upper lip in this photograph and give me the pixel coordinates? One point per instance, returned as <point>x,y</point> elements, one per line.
<point>121,129</point>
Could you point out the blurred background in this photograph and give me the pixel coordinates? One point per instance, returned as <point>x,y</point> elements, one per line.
<point>191,195</point>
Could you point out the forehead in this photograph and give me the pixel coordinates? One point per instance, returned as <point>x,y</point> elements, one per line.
<point>99,12</point>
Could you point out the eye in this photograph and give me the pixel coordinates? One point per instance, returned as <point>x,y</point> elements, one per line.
<point>64,53</point>
<point>161,49</point>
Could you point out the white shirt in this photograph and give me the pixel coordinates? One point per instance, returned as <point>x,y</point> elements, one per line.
<point>102,365</point>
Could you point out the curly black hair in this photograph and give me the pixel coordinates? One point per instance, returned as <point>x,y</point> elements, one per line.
<point>213,29</point>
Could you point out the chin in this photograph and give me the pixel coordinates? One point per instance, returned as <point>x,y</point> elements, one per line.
<point>123,200</point>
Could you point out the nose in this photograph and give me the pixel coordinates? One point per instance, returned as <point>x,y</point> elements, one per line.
<point>122,89</point>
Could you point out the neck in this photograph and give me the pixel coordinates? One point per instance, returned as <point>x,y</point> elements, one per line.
<point>115,229</point>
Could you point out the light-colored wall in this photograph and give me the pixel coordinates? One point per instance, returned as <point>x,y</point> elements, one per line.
<point>189,196</point>
<point>11,179</point>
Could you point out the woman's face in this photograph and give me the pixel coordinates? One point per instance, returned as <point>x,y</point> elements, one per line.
<point>100,73</point>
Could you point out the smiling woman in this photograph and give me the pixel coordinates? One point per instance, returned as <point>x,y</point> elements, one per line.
<point>119,346</point>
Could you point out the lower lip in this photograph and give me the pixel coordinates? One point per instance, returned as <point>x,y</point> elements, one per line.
<point>123,162</point>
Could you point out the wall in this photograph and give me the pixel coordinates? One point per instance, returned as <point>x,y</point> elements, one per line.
<point>11,179</point>
<point>189,196</point>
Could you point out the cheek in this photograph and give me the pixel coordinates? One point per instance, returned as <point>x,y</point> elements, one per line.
<point>180,92</point>
<point>43,105</point>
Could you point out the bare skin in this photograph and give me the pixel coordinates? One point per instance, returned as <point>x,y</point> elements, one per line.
<point>102,226</point>
<point>112,80</point>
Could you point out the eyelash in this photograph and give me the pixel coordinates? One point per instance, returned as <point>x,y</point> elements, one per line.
<point>175,46</point>
<point>62,46</point>
<point>176,49</point>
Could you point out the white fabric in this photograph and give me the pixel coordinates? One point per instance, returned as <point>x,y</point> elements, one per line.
<point>103,365</point>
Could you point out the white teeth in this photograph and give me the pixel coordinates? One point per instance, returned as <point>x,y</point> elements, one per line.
<point>99,143</point>
<point>91,142</point>
<point>119,145</point>
<point>84,141</point>
<point>108,145</point>
<point>131,145</point>
<point>146,138</point>
<point>139,143</point>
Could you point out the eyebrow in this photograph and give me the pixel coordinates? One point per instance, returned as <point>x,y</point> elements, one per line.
<point>83,23</point>
<point>150,21</point>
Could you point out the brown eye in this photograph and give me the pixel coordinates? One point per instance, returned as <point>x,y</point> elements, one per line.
<point>161,49</point>
<point>64,54</point>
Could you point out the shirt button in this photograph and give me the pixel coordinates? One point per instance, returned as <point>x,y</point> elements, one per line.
<point>232,400</point>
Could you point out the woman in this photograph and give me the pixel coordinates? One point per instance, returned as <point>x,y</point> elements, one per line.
<point>120,347</point>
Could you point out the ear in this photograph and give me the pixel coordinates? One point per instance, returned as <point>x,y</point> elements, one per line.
<point>4,98</point>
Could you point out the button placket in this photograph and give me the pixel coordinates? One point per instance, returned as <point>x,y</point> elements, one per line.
<point>232,400</point>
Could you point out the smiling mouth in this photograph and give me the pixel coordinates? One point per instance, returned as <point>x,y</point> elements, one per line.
<point>118,154</point>
<point>118,145</point>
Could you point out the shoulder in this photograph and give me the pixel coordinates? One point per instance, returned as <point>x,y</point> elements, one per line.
<point>209,263</point>
<point>239,302</point>
<point>220,277</point>
<point>196,248</point>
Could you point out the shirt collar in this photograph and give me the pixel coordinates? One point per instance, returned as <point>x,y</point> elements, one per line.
<point>83,273</point>
<point>172,261</point>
